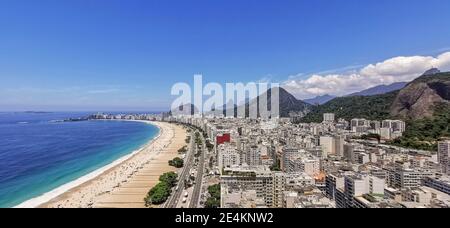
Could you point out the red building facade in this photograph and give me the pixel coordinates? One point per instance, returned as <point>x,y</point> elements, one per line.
<point>221,139</point>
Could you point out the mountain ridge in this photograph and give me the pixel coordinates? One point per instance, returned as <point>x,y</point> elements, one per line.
<point>424,104</point>
<point>289,105</point>
<point>380,89</point>
<point>319,100</point>
<point>415,101</point>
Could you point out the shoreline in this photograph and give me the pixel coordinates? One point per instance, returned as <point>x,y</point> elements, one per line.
<point>60,191</point>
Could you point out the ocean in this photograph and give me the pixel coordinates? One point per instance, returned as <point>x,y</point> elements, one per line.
<point>38,155</point>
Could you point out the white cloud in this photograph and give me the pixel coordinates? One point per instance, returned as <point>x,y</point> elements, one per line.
<point>398,69</point>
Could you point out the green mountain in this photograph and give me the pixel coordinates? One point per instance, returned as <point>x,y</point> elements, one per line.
<point>424,133</point>
<point>370,107</point>
<point>424,104</point>
<point>288,104</point>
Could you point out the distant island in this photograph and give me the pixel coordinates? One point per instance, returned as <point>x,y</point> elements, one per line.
<point>76,119</point>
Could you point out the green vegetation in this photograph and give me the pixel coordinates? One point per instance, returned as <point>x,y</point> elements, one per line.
<point>212,203</point>
<point>369,107</point>
<point>423,134</point>
<point>214,200</point>
<point>198,140</point>
<point>211,162</point>
<point>442,76</point>
<point>176,162</point>
<point>276,167</point>
<point>170,178</point>
<point>209,145</point>
<point>370,198</point>
<point>199,143</point>
<point>161,192</point>
<point>214,191</point>
<point>369,137</point>
<point>182,150</point>
<point>420,134</point>
<point>188,139</point>
<point>158,194</point>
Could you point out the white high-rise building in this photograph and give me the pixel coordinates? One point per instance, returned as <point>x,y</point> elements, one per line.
<point>254,156</point>
<point>355,186</point>
<point>408,178</point>
<point>394,125</point>
<point>279,185</point>
<point>333,182</point>
<point>228,156</point>
<point>332,145</point>
<point>339,146</point>
<point>308,165</point>
<point>328,117</point>
<point>391,129</point>
<point>311,166</point>
<point>363,158</point>
<point>359,123</point>
<point>289,153</point>
<point>328,146</point>
<point>385,133</point>
<point>349,152</point>
<point>268,185</point>
<point>444,156</point>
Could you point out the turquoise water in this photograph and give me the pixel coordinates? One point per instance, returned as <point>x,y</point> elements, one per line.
<point>38,155</point>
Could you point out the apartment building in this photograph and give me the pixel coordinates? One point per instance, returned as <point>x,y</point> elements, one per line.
<point>444,156</point>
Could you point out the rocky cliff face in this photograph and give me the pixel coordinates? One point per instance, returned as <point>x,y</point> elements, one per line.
<point>420,97</point>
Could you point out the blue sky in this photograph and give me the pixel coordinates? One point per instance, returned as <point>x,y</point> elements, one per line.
<point>126,55</point>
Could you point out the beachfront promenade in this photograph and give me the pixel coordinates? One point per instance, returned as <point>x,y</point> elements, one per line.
<point>127,184</point>
<point>176,196</point>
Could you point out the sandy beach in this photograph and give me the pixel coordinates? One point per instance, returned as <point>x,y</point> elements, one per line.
<point>124,183</point>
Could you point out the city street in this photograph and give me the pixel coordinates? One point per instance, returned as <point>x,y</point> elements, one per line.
<point>199,177</point>
<point>177,194</point>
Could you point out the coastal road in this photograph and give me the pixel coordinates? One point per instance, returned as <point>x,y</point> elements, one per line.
<point>199,178</point>
<point>177,194</point>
